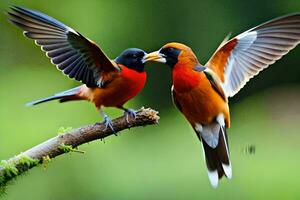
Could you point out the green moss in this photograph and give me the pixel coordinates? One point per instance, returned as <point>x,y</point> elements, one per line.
<point>65,148</point>
<point>63,130</point>
<point>10,169</point>
<point>45,161</point>
<point>68,148</point>
<point>2,179</point>
<point>27,161</point>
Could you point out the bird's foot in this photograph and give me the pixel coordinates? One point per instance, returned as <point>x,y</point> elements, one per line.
<point>130,113</point>
<point>107,122</point>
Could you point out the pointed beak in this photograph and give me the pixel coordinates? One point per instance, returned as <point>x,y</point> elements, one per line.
<point>155,56</point>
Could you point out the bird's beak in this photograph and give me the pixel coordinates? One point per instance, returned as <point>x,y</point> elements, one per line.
<point>155,56</point>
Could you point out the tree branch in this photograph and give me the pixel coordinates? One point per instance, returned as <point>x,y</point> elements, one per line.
<point>67,142</point>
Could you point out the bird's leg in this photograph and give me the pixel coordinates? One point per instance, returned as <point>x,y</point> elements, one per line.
<point>107,121</point>
<point>131,113</point>
<point>128,113</point>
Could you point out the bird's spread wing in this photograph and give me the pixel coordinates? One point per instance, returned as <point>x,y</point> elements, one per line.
<point>244,56</point>
<point>76,56</point>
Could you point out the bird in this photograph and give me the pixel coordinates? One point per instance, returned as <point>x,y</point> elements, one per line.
<point>105,82</point>
<point>201,92</point>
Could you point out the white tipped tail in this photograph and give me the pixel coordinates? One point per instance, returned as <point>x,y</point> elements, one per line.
<point>216,153</point>
<point>227,170</point>
<point>213,178</point>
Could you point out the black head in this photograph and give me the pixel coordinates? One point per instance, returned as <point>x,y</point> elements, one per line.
<point>132,58</point>
<point>170,54</point>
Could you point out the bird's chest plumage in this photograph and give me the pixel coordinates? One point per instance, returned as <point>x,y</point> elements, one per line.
<point>122,88</point>
<point>184,80</point>
<point>197,99</point>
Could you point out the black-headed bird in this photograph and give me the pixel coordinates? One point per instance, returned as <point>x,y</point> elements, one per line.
<point>106,83</point>
<point>201,92</point>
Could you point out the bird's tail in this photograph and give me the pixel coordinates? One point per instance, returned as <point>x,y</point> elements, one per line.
<point>216,151</point>
<point>64,96</point>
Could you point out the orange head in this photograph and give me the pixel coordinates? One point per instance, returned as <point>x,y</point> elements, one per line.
<point>174,54</point>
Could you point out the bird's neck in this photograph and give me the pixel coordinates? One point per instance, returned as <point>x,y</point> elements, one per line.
<point>185,77</point>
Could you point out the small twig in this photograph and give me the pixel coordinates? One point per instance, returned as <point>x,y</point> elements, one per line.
<point>68,142</point>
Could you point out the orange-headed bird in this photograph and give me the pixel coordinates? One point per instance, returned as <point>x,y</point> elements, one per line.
<point>201,92</point>
<point>108,83</point>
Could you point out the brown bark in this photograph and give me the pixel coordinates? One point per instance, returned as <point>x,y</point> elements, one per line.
<point>72,139</point>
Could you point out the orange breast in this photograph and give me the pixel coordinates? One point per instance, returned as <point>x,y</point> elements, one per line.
<point>123,87</point>
<point>200,103</point>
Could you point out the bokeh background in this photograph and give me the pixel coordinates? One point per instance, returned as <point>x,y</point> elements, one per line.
<point>154,162</point>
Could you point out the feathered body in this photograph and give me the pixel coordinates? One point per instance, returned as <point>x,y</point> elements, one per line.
<point>202,103</point>
<point>201,92</point>
<point>196,96</point>
<point>106,82</point>
<point>125,85</point>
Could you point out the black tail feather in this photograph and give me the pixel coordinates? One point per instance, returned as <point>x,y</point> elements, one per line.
<point>67,95</point>
<point>218,156</point>
<point>43,100</point>
<point>217,159</point>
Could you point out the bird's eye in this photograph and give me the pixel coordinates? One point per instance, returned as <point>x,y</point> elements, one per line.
<point>134,56</point>
<point>170,50</point>
<point>141,54</point>
<point>167,51</point>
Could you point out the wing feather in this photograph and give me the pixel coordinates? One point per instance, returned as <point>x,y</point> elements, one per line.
<point>76,56</point>
<point>244,56</point>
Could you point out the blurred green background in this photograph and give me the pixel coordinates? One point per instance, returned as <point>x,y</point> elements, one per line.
<point>154,162</point>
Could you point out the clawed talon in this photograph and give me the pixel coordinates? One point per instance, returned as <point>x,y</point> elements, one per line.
<point>129,113</point>
<point>107,122</point>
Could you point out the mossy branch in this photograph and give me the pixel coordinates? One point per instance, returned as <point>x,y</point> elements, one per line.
<point>68,142</point>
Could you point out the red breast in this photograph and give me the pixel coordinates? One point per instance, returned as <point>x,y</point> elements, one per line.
<point>134,80</point>
<point>123,87</point>
<point>184,79</point>
<point>200,102</point>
